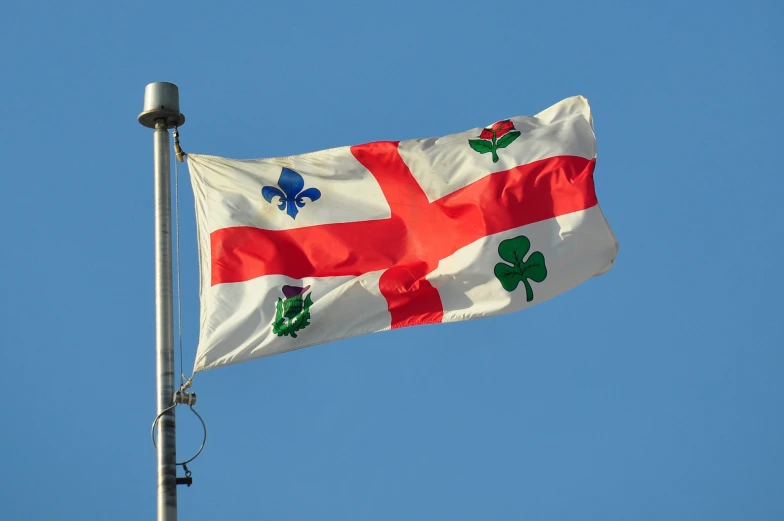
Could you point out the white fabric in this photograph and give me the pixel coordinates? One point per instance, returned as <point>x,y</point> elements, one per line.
<point>232,190</point>
<point>236,318</point>
<point>443,165</point>
<point>576,247</point>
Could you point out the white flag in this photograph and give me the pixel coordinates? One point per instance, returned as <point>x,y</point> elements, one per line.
<point>297,251</point>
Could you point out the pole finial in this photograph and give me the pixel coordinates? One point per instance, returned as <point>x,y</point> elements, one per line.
<point>162,101</point>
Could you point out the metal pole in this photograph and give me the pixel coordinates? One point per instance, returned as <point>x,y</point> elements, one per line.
<point>164,327</point>
<point>162,112</point>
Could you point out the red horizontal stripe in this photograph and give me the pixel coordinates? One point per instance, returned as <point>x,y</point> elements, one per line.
<point>417,232</point>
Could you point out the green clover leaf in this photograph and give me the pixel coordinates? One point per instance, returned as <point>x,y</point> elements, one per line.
<point>514,251</point>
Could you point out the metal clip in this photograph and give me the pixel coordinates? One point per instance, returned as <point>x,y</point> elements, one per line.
<point>188,399</point>
<point>187,480</point>
<point>177,150</point>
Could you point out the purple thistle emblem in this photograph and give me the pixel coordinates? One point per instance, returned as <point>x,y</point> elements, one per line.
<point>292,313</point>
<point>293,291</point>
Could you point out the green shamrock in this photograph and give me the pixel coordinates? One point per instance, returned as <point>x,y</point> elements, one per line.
<point>514,252</point>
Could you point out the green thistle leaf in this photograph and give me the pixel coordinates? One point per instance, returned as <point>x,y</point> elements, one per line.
<point>301,320</point>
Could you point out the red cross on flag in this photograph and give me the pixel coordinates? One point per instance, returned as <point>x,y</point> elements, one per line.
<point>301,250</point>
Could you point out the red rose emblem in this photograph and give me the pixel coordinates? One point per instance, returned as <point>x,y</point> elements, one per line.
<point>500,135</point>
<point>497,130</point>
<point>502,127</point>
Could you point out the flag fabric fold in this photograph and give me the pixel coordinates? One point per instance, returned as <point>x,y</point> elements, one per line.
<point>301,250</point>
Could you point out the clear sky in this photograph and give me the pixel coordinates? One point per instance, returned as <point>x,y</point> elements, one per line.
<point>653,393</point>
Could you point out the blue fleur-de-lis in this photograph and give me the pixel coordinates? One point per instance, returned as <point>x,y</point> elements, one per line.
<point>292,197</point>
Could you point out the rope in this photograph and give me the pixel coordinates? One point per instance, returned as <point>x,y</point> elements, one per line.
<point>180,397</point>
<point>178,152</point>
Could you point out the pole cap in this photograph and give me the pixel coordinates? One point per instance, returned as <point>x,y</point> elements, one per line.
<point>161,101</point>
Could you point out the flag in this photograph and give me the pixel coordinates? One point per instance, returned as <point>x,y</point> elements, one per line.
<point>301,250</point>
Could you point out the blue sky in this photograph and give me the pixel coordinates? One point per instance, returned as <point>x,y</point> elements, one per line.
<point>653,392</point>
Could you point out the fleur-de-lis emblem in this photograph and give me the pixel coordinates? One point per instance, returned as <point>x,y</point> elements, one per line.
<point>291,193</point>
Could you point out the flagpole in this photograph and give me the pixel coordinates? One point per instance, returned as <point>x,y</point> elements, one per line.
<point>162,112</point>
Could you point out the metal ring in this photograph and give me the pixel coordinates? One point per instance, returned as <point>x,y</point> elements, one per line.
<point>203,425</point>
<point>204,439</point>
<point>155,423</point>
